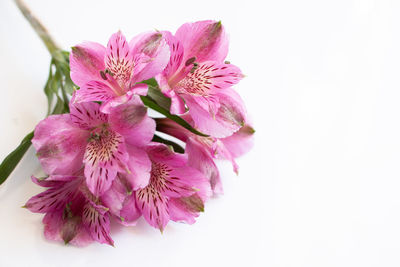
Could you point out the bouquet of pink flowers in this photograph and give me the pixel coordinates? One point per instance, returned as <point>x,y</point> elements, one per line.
<point>106,159</point>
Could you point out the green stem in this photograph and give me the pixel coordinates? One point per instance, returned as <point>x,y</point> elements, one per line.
<point>39,29</point>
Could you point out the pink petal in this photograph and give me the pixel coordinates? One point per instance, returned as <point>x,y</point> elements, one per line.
<point>153,207</point>
<point>94,91</point>
<point>86,62</point>
<point>170,127</point>
<point>184,181</point>
<point>119,59</point>
<point>140,89</point>
<point>105,155</point>
<point>205,40</point>
<point>185,209</point>
<point>54,198</point>
<point>57,227</point>
<point>177,103</point>
<point>200,158</point>
<point>59,144</point>
<point>87,115</point>
<point>97,222</point>
<point>131,121</point>
<point>163,154</point>
<point>139,166</point>
<point>240,142</point>
<point>116,195</point>
<point>129,213</point>
<point>176,51</point>
<point>121,202</point>
<point>230,117</point>
<point>209,77</point>
<point>154,55</point>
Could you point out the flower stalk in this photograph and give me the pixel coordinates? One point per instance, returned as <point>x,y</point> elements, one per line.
<point>41,31</point>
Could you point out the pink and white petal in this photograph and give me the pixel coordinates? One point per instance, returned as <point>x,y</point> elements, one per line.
<point>176,54</point>
<point>87,115</point>
<point>86,62</point>
<point>154,55</point>
<point>139,165</point>
<point>97,223</point>
<point>54,198</point>
<point>205,40</point>
<point>240,142</point>
<point>208,78</point>
<point>94,91</point>
<point>59,144</point>
<point>153,206</point>
<point>119,59</point>
<point>200,158</point>
<point>140,89</point>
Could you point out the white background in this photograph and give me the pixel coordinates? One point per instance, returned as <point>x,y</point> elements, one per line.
<point>321,186</point>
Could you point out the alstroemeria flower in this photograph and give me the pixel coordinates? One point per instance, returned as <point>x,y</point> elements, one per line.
<point>175,192</point>
<point>197,74</point>
<point>202,151</point>
<point>73,214</point>
<point>111,75</point>
<point>106,144</point>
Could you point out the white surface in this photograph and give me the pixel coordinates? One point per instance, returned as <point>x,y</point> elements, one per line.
<point>320,188</point>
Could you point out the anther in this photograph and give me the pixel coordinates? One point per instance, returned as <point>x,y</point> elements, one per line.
<point>103,75</point>
<point>227,62</point>
<point>190,61</point>
<point>195,66</point>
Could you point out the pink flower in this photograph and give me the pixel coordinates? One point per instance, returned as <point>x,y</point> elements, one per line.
<point>112,75</point>
<point>197,74</point>
<point>73,214</point>
<point>106,144</point>
<point>202,151</point>
<point>175,192</point>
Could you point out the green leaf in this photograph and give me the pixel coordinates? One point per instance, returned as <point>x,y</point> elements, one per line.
<point>177,148</point>
<point>48,90</point>
<point>60,107</point>
<point>155,93</point>
<point>11,161</point>
<point>150,103</point>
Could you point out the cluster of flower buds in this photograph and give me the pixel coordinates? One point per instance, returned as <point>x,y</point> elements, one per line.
<point>104,159</point>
